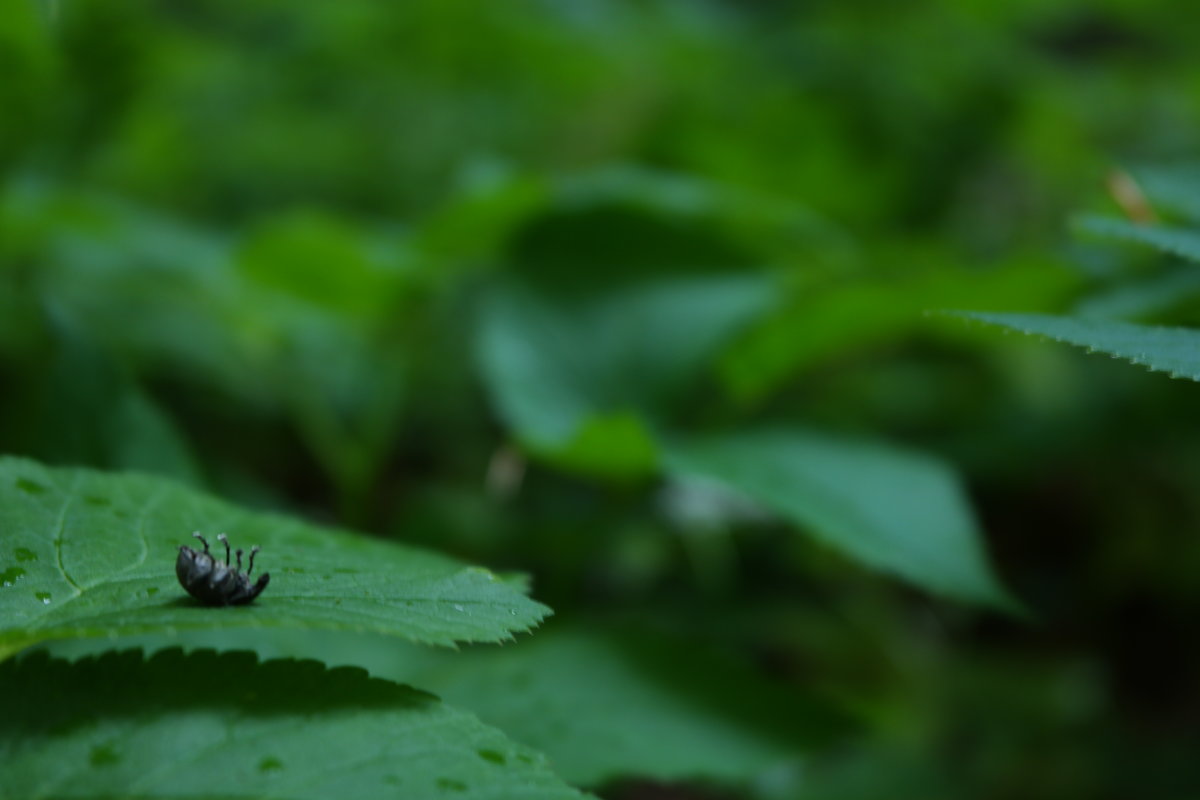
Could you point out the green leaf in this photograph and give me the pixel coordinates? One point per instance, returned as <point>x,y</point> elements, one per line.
<point>89,554</point>
<point>1180,242</point>
<point>552,364</point>
<point>616,446</point>
<point>1175,351</point>
<point>602,702</point>
<point>823,324</point>
<point>1154,295</point>
<point>892,509</point>
<point>487,208</point>
<point>281,729</point>
<point>605,705</point>
<point>292,254</point>
<point>1176,187</point>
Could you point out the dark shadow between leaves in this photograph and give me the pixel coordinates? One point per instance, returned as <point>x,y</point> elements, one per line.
<point>127,684</point>
<point>780,710</point>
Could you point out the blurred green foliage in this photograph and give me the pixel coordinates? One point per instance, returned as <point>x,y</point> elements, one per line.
<point>474,275</point>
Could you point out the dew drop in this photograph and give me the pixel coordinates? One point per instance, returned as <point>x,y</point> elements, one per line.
<point>458,607</point>
<point>43,596</point>
<point>10,575</point>
<point>25,554</point>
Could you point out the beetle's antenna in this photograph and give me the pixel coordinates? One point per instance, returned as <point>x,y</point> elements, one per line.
<point>253,550</point>
<point>223,539</point>
<point>239,555</point>
<point>196,535</point>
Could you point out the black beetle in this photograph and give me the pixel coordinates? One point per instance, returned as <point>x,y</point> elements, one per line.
<point>217,583</point>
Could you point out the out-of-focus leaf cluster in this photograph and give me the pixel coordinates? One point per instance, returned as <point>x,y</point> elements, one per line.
<point>628,294</point>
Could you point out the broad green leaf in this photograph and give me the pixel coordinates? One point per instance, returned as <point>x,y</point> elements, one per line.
<point>1181,242</point>
<point>207,725</point>
<point>292,255</point>
<point>553,363</point>
<point>488,206</point>
<point>90,554</point>
<point>606,705</point>
<point>616,446</point>
<point>1175,351</point>
<point>892,509</point>
<point>602,703</point>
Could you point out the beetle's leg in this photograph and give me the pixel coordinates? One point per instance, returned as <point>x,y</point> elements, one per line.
<point>253,550</point>
<point>239,555</point>
<point>223,539</point>
<point>196,535</point>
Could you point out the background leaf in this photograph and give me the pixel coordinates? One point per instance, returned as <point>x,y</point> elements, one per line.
<point>288,313</point>
<point>609,704</point>
<point>552,363</point>
<point>1175,187</point>
<point>889,508</point>
<point>1177,241</point>
<point>281,729</point>
<point>1172,350</point>
<point>89,554</point>
<point>602,701</point>
<point>821,324</point>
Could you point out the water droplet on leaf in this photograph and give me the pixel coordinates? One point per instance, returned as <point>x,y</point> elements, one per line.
<point>10,575</point>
